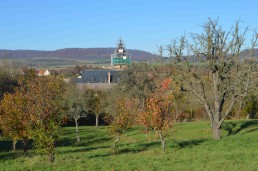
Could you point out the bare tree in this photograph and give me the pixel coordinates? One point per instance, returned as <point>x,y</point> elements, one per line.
<point>95,101</point>
<point>75,108</point>
<point>213,71</point>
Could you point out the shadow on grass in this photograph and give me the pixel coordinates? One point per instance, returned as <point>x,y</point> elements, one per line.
<point>119,152</point>
<point>84,141</point>
<point>229,127</point>
<point>9,155</point>
<point>147,145</point>
<point>6,145</point>
<point>96,141</point>
<point>124,149</point>
<point>233,128</point>
<point>187,144</point>
<point>85,149</point>
<point>138,147</point>
<point>255,129</point>
<point>101,155</point>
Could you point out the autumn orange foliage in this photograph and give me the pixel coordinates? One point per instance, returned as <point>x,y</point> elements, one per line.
<point>34,111</point>
<point>166,83</point>
<point>14,119</point>
<point>156,116</point>
<point>121,120</point>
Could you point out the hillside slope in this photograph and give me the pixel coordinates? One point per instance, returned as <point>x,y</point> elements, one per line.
<point>189,147</point>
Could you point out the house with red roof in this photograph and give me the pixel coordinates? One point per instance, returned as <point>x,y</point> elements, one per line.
<point>43,72</point>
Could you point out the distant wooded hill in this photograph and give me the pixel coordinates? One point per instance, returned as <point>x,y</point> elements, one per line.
<point>74,53</point>
<point>93,54</point>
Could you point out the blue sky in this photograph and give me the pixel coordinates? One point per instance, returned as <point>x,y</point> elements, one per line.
<point>142,24</point>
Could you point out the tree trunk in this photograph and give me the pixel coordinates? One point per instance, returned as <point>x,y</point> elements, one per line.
<point>177,110</point>
<point>162,140</point>
<point>146,133</point>
<point>191,115</point>
<point>77,130</point>
<point>215,131</point>
<point>25,142</point>
<point>51,157</point>
<point>241,104</point>
<point>97,121</point>
<point>115,143</point>
<point>14,145</point>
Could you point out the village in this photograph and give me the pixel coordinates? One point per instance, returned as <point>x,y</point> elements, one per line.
<point>177,91</point>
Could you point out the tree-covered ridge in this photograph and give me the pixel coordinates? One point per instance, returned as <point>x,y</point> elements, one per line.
<point>75,53</point>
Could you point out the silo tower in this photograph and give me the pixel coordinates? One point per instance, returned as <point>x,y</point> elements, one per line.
<point>120,59</point>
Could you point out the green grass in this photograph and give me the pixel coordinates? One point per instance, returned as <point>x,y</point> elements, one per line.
<point>61,63</point>
<point>189,147</point>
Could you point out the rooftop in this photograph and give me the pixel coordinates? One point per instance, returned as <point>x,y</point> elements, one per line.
<point>99,76</point>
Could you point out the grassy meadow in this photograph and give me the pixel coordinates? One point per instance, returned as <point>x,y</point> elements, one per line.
<point>55,63</point>
<point>189,147</point>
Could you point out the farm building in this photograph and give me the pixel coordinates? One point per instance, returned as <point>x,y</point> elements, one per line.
<point>43,73</point>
